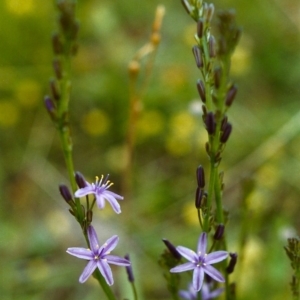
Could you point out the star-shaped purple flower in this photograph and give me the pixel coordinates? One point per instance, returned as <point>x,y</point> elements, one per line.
<point>206,293</point>
<point>100,190</point>
<point>200,262</point>
<point>98,257</point>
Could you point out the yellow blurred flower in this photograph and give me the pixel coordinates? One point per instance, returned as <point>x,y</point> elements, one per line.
<point>95,122</point>
<point>150,123</point>
<point>28,93</point>
<point>9,113</point>
<point>190,213</point>
<point>20,7</point>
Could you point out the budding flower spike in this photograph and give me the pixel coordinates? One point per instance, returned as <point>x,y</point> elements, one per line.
<point>98,257</point>
<point>100,190</point>
<point>200,262</point>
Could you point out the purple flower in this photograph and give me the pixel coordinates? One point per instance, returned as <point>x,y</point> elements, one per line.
<point>100,190</point>
<point>200,262</point>
<point>206,294</point>
<point>98,257</point>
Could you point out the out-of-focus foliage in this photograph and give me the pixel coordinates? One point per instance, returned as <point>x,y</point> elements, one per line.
<point>35,228</point>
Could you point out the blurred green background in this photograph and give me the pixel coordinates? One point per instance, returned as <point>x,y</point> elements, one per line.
<point>35,227</point>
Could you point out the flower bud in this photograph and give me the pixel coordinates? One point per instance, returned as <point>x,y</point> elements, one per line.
<point>219,232</point>
<point>198,56</point>
<point>231,95</point>
<point>210,123</point>
<point>212,46</point>
<point>198,197</point>
<point>65,192</point>
<point>172,249</point>
<point>217,77</point>
<point>200,177</point>
<point>57,67</point>
<point>226,133</point>
<point>232,262</point>
<point>50,106</point>
<point>54,90</point>
<point>57,44</point>
<point>81,182</point>
<point>200,26</point>
<point>209,12</point>
<point>129,270</point>
<point>201,90</point>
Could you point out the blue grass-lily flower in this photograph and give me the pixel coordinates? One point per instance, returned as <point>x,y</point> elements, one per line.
<point>100,190</point>
<point>200,262</point>
<point>98,257</point>
<point>206,293</point>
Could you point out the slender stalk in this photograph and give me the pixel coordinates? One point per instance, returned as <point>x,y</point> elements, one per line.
<point>105,287</point>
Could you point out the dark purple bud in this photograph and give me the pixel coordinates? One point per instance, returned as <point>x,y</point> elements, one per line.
<point>172,249</point>
<point>65,192</point>
<point>57,67</point>
<point>81,182</point>
<point>210,123</point>
<point>212,46</point>
<point>232,262</point>
<point>200,177</point>
<point>224,122</point>
<point>198,197</point>
<point>226,133</point>
<point>89,216</point>
<point>50,106</point>
<point>54,90</point>
<point>198,56</point>
<point>200,26</point>
<point>129,270</point>
<point>231,95</point>
<point>201,90</point>
<point>57,44</point>
<point>217,77</point>
<point>219,232</point>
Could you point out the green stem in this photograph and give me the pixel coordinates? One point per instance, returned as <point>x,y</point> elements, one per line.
<point>135,295</point>
<point>107,290</point>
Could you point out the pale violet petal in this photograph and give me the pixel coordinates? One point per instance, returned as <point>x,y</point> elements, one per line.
<point>93,239</point>
<point>110,244</point>
<point>88,271</point>
<point>84,191</point>
<point>185,295</point>
<point>81,253</point>
<point>105,271</point>
<point>119,197</point>
<point>215,257</point>
<point>100,201</point>
<point>202,244</point>
<point>213,273</point>
<point>215,293</point>
<point>116,260</point>
<point>113,202</point>
<point>184,267</point>
<point>187,253</point>
<point>198,277</point>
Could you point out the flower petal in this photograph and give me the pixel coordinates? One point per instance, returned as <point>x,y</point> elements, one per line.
<point>93,239</point>
<point>198,277</point>
<point>119,197</point>
<point>213,273</point>
<point>105,271</point>
<point>215,257</point>
<point>185,295</point>
<point>116,260</point>
<point>184,267</point>
<point>100,201</point>
<point>110,245</point>
<point>81,253</point>
<point>112,201</point>
<point>88,271</point>
<point>84,191</point>
<point>216,293</point>
<point>202,244</point>
<point>187,253</point>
